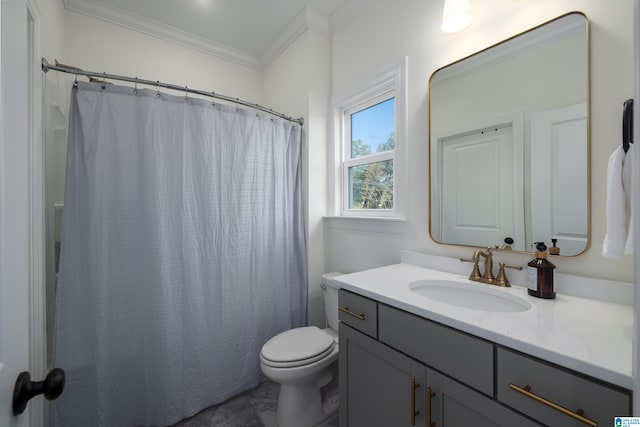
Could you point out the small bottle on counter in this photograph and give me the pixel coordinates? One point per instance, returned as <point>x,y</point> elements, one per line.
<point>541,274</point>
<point>554,250</point>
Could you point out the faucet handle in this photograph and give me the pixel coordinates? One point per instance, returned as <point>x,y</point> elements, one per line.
<point>502,280</point>
<point>475,273</point>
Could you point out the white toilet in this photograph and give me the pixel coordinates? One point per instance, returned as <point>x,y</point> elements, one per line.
<point>303,361</point>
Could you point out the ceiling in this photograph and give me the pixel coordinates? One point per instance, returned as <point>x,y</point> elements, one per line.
<point>250,32</point>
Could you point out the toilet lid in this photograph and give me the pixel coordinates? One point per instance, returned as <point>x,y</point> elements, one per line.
<point>296,347</point>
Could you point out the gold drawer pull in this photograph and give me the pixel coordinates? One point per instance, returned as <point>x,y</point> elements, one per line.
<point>414,413</point>
<point>578,415</point>
<point>351,313</point>
<point>430,396</point>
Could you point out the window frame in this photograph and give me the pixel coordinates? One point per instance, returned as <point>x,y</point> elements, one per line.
<point>386,84</point>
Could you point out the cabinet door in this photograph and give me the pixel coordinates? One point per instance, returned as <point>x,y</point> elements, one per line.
<point>378,385</point>
<point>453,404</point>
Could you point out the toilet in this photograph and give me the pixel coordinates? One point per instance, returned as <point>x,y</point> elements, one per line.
<point>303,361</point>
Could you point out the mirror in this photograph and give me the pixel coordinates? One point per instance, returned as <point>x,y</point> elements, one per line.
<point>509,142</point>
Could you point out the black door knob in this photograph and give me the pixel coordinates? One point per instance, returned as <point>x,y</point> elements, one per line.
<point>25,389</point>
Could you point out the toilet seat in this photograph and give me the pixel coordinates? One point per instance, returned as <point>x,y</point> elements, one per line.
<point>297,347</point>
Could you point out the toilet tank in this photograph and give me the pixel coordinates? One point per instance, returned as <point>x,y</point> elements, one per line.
<point>330,288</point>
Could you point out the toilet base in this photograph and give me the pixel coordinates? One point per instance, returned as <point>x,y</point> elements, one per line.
<point>305,405</point>
<point>299,406</point>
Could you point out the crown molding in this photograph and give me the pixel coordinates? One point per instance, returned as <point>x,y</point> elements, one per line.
<point>162,31</point>
<point>309,19</point>
<point>306,19</point>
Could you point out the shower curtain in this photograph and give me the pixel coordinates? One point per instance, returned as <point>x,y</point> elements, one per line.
<point>182,253</point>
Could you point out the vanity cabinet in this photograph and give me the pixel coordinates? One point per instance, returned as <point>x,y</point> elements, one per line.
<point>556,396</point>
<point>400,369</point>
<point>378,385</point>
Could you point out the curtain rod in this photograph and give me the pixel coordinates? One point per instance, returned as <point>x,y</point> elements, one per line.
<point>92,74</point>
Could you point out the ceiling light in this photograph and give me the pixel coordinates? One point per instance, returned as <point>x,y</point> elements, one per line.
<point>456,15</point>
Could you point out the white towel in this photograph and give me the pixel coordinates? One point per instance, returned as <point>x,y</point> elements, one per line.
<point>618,207</point>
<point>627,185</point>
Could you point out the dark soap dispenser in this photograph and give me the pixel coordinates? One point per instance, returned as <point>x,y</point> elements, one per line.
<point>541,274</point>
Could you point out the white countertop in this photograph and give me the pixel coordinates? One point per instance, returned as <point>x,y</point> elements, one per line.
<point>586,335</point>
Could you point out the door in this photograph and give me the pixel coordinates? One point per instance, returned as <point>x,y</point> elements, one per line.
<point>559,196</point>
<point>14,205</point>
<point>480,188</point>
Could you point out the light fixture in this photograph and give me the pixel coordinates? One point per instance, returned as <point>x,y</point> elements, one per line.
<point>456,15</point>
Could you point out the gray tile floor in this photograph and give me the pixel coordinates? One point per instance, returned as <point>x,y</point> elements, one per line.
<point>253,408</point>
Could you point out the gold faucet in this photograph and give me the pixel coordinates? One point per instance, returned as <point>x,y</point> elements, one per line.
<point>488,276</point>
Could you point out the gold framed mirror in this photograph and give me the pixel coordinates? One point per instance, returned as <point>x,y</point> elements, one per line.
<point>509,142</point>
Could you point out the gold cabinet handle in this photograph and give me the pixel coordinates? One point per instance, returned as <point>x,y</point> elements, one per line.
<point>414,413</point>
<point>430,396</point>
<point>578,415</point>
<point>351,313</point>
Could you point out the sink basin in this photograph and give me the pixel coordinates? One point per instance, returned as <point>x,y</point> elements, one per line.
<point>469,295</point>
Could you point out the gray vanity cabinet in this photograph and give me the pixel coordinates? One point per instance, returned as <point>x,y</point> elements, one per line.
<point>398,369</point>
<point>379,387</point>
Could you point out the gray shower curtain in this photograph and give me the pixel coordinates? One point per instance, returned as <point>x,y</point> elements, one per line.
<point>182,252</point>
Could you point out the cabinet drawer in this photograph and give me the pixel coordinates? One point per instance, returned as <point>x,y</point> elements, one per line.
<point>550,393</point>
<point>456,405</point>
<point>464,357</point>
<point>359,312</point>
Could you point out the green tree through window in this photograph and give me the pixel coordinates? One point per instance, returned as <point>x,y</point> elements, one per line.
<point>372,183</point>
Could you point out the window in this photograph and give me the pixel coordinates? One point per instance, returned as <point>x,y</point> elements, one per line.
<point>370,146</point>
<point>369,165</point>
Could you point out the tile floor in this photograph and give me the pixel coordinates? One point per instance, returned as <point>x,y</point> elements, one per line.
<point>253,408</point>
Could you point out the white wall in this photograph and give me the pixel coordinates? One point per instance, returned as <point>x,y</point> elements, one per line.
<point>388,30</point>
<point>298,81</point>
<point>96,45</point>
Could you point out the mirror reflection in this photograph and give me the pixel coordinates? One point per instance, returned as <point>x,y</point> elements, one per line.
<point>509,142</point>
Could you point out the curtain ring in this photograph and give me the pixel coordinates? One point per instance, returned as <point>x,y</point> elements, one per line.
<point>135,87</point>
<point>237,104</point>
<point>186,94</point>
<point>213,102</point>
<point>75,81</point>
<point>104,80</point>
<point>158,88</point>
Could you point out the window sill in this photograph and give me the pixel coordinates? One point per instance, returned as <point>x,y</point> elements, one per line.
<point>365,218</point>
<point>368,224</point>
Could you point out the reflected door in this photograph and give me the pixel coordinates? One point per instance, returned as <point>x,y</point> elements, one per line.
<point>558,193</point>
<point>479,188</point>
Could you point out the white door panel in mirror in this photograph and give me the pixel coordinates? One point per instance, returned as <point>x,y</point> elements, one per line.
<point>478,187</point>
<point>558,196</point>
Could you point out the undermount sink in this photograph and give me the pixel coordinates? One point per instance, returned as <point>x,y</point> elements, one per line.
<point>469,295</point>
